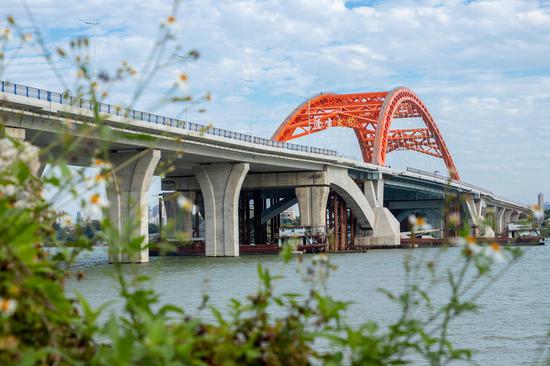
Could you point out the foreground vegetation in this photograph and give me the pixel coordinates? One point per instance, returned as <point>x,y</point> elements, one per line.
<point>42,325</point>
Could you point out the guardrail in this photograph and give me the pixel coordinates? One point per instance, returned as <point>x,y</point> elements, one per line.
<point>434,175</point>
<point>53,97</point>
<point>486,191</point>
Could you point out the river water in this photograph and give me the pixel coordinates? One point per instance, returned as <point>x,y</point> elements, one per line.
<point>509,328</point>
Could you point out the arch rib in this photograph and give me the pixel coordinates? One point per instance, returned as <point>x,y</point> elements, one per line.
<point>370,115</point>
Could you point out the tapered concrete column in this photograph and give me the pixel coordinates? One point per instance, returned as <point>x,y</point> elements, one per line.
<point>514,217</point>
<point>374,191</point>
<point>128,195</point>
<point>473,209</point>
<point>186,222</point>
<point>499,218</point>
<point>507,218</point>
<point>179,221</point>
<point>220,186</point>
<point>312,202</point>
<point>490,221</point>
<point>386,228</point>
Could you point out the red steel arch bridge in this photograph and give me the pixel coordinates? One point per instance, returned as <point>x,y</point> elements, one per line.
<point>370,115</point>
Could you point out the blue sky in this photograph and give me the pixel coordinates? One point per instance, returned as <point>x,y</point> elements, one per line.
<point>481,67</point>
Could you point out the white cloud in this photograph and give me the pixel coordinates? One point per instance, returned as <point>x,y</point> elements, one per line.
<point>481,67</point>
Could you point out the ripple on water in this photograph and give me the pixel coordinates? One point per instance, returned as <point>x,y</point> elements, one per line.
<point>514,314</point>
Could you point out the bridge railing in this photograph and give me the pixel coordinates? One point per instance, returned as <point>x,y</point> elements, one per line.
<point>486,191</point>
<point>430,174</point>
<point>27,91</point>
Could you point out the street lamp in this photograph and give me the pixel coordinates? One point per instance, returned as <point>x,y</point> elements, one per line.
<point>251,97</point>
<point>93,24</point>
<point>308,118</point>
<point>185,59</point>
<point>308,122</point>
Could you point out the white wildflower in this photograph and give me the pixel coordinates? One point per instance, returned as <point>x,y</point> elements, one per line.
<point>419,223</point>
<point>494,251</point>
<point>182,82</point>
<point>185,203</point>
<point>7,33</point>
<point>8,152</point>
<point>468,242</point>
<point>7,307</point>
<point>101,164</point>
<point>8,190</point>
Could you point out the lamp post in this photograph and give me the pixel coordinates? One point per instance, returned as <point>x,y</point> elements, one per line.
<point>93,24</point>
<point>308,118</point>
<point>185,59</point>
<point>308,122</point>
<point>251,97</point>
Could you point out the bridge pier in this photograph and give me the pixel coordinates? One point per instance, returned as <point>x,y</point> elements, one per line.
<point>499,221</point>
<point>128,196</point>
<point>179,221</point>
<point>475,207</point>
<point>220,185</point>
<point>312,202</point>
<point>374,192</point>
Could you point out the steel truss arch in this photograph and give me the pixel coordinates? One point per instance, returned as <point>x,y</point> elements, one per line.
<point>370,115</point>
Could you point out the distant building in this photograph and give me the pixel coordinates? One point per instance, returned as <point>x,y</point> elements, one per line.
<point>154,214</point>
<point>288,215</point>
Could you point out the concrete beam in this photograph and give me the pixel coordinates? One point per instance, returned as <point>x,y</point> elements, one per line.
<point>416,204</point>
<point>312,202</point>
<point>128,195</point>
<point>220,186</point>
<point>255,181</point>
<point>277,208</point>
<point>404,214</point>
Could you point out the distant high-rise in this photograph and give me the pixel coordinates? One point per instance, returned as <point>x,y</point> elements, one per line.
<point>540,203</point>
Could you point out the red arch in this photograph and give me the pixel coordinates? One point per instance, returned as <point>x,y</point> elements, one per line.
<point>370,115</point>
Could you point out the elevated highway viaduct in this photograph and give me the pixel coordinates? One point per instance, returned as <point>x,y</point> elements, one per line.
<point>241,183</point>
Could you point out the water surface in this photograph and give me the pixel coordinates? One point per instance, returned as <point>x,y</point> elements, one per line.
<point>507,330</point>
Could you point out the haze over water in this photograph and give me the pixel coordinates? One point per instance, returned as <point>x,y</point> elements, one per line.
<point>507,330</point>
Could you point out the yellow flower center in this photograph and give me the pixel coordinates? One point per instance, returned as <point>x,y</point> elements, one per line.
<point>4,305</point>
<point>95,199</point>
<point>495,246</point>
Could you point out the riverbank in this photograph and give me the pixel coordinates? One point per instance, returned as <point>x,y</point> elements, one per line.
<point>198,248</point>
